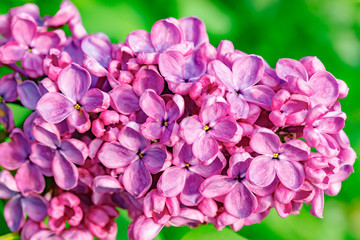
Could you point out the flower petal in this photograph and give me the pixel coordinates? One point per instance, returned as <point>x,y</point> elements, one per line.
<point>223,74</point>
<point>194,30</point>
<point>137,179</point>
<point>124,99</point>
<point>35,207</point>
<point>152,105</point>
<point>217,185</point>
<point>23,28</point>
<point>139,41</point>
<point>148,79</point>
<point>326,88</point>
<point>74,81</point>
<point>114,155</point>
<point>165,33</point>
<point>54,107</point>
<point>14,214</point>
<point>29,94</point>
<point>224,129</point>
<point>74,150</point>
<point>261,171</point>
<point>191,129</point>
<point>95,100</point>
<point>65,173</point>
<point>260,95</point>
<point>154,159</point>
<point>29,179</point>
<point>172,181</point>
<point>205,148</point>
<point>240,202</point>
<point>191,196</point>
<point>248,71</point>
<point>290,173</point>
<point>265,141</point>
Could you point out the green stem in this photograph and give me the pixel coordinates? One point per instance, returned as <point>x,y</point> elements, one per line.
<point>10,236</point>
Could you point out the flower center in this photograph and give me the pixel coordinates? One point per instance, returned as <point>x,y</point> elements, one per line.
<point>206,128</point>
<point>77,107</point>
<point>166,123</point>
<point>275,155</point>
<point>1,99</point>
<point>141,155</point>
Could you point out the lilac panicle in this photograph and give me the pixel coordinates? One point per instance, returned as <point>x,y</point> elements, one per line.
<point>165,125</point>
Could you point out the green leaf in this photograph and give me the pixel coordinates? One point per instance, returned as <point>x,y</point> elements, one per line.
<point>209,232</point>
<point>20,113</point>
<point>10,236</point>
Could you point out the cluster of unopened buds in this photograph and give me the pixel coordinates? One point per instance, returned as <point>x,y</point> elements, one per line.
<point>165,125</point>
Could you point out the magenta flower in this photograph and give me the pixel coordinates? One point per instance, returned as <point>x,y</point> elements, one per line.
<point>100,221</point>
<point>125,98</point>
<point>108,125</point>
<point>319,124</point>
<point>75,101</point>
<point>187,175</point>
<point>64,208</point>
<point>181,71</point>
<point>322,87</point>
<point>16,155</point>
<point>55,62</point>
<point>240,83</point>
<point>140,158</point>
<point>28,45</point>
<point>239,200</point>
<point>50,152</point>
<point>210,126</point>
<point>165,35</point>
<point>160,208</point>
<point>288,109</point>
<point>16,208</point>
<point>277,159</point>
<point>161,123</point>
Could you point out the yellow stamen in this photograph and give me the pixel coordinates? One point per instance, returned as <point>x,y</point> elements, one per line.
<point>2,113</point>
<point>77,106</point>
<point>187,165</point>
<point>206,127</point>
<point>156,140</point>
<point>275,155</point>
<point>1,99</point>
<point>29,49</point>
<point>135,193</point>
<point>141,155</point>
<point>166,124</point>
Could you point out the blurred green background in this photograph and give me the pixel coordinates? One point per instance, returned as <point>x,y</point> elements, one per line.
<point>328,29</point>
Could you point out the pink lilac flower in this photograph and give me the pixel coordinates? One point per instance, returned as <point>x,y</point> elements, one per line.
<point>15,209</point>
<point>140,158</point>
<point>161,123</point>
<point>165,125</point>
<point>58,156</point>
<point>28,45</point>
<point>64,208</point>
<point>165,35</point>
<point>239,200</point>
<point>75,101</point>
<point>240,83</point>
<point>187,175</point>
<point>277,160</point>
<point>212,124</point>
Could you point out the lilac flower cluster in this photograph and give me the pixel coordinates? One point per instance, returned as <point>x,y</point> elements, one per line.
<point>165,125</point>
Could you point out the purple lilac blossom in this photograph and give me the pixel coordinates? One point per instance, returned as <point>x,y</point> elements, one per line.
<point>165,125</point>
